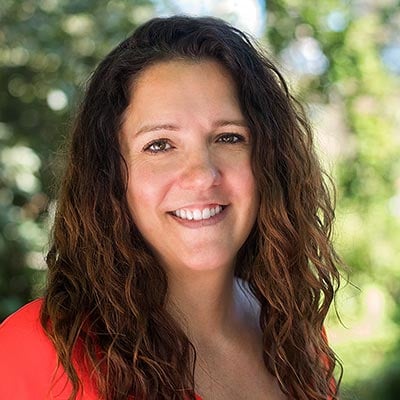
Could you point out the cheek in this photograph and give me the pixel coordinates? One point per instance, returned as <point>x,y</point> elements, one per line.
<point>147,185</point>
<point>242,177</point>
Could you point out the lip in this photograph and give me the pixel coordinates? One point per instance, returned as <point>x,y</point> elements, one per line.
<point>202,223</point>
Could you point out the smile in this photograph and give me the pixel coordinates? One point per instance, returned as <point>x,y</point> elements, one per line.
<point>198,215</point>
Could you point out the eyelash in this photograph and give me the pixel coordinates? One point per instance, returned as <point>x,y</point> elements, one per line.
<point>162,142</point>
<point>226,138</point>
<point>238,138</point>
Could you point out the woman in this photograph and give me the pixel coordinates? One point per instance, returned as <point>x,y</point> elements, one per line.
<point>191,252</point>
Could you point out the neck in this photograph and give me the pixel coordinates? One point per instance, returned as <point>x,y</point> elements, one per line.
<point>208,304</point>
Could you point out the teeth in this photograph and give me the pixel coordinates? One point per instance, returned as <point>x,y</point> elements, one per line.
<point>198,215</point>
<point>206,213</point>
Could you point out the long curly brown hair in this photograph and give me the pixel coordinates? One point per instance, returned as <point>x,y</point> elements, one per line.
<point>106,291</point>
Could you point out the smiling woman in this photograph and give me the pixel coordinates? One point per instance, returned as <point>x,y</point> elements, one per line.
<point>189,165</point>
<point>191,251</point>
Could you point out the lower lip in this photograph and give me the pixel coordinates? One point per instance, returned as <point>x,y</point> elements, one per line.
<point>203,222</point>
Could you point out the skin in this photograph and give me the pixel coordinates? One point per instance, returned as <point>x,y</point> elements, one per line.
<point>180,104</point>
<point>187,146</point>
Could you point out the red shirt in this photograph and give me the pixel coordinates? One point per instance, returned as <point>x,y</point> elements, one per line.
<point>28,361</point>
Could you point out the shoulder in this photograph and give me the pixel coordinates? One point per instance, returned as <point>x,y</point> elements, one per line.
<point>23,320</point>
<point>22,334</point>
<point>22,330</point>
<point>28,360</point>
<point>29,365</point>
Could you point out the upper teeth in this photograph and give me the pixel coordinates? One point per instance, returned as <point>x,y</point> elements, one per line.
<point>198,215</point>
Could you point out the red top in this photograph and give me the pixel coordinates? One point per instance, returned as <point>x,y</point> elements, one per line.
<point>28,361</point>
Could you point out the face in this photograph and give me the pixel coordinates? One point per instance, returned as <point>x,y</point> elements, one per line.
<point>191,190</point>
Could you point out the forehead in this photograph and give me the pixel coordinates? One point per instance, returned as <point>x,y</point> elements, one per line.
<point>177,75</point>
<point>186,81</point>
<point>184,87</point>
<point>167,70</point>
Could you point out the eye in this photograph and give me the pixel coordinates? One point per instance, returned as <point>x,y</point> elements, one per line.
<point>157,146</point>
<point>231,138</point>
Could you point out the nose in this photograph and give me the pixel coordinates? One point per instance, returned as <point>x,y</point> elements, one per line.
<point>200,172</point>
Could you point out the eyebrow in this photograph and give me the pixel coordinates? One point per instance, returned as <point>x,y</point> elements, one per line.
<point>171,127</point>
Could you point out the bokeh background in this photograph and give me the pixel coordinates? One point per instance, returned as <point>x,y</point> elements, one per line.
<point>342,59</point>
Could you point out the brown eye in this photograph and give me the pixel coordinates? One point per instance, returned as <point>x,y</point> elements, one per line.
<point>157,146</point>
<point>231,138</point>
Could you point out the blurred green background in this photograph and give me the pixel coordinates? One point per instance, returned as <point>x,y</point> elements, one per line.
<point>342,59</point>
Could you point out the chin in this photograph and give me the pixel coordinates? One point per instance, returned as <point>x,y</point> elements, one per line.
<point>208,264</point>
<point>197,260</point>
